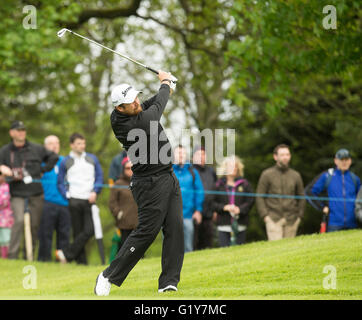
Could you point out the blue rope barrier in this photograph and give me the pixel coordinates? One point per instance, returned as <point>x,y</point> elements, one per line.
<point>241,194</point>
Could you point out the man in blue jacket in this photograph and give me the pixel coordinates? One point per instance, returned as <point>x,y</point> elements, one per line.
<point>80,180</point>
<point>342,184</point>
<point>55,215</point>
<point>192,192</point>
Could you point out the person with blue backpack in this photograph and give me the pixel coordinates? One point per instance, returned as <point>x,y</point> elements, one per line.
<point>342,185</point>
<point>192,192</point>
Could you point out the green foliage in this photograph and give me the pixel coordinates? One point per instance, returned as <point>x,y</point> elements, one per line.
<point>283,44</point>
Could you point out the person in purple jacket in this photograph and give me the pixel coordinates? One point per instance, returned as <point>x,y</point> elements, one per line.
<point>232,209</point>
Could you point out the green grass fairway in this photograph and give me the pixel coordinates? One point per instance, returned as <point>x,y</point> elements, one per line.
<point>286,269</point>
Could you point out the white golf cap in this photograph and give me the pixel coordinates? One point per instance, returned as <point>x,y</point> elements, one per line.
<point>123,93</point>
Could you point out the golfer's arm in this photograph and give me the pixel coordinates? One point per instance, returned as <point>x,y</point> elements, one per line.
<point>146,104</point>
<point>154,112</point>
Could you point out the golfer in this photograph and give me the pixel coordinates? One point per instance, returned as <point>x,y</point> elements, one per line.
<point>154,186</point>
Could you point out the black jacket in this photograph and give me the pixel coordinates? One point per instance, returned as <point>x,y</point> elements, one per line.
<point>144,156</point>
<point>208,178</point>
<point>33,156</point>
<point>244,203</point>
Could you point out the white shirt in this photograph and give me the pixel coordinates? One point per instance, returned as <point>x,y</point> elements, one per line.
<point>81,177</point>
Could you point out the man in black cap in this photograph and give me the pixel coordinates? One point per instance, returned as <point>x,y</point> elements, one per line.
<point>342,184</point>
<point>21,161</point>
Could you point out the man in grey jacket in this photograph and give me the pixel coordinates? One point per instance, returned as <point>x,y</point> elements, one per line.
<point>282,216</point>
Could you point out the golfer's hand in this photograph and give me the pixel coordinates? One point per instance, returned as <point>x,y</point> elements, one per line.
<point>6,171</point>
<point>197,216</point>
<point>325,210</point>
<point>162,75</point>
<point>173,84</point>
<point>93,197</point>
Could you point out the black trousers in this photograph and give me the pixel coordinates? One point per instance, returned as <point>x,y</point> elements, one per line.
<point>83,230</point>
<point>55,218</point>
<point>124,235</point>
<point>159,202</point>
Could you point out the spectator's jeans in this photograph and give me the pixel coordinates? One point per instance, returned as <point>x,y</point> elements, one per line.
<point>281,229</point>
<point>55,218</point>
<point>35,206</point>
<point>337,228</point>
<point>189,234</point>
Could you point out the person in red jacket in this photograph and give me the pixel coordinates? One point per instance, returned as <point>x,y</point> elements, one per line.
<point>231,207</point>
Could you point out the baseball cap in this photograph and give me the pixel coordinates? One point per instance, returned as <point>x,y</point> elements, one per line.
<point>123,93</point>
<point>343,154</point>
<point>18,125</point>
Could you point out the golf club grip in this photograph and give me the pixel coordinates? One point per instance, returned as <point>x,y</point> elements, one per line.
<point>152,70</point>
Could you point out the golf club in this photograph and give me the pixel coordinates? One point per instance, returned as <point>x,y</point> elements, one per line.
<point>64,30</point>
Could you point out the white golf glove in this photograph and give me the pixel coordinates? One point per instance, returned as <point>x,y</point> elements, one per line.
<point>173,82</point>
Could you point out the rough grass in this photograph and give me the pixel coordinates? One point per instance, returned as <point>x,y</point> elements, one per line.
<point>285,269</point>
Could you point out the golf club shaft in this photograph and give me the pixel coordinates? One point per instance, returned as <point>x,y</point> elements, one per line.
<point>121,55</point>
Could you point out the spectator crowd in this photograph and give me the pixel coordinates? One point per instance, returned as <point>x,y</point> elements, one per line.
<point>60,194</point>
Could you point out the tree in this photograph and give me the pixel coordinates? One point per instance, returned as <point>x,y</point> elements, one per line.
<point>282,44</point>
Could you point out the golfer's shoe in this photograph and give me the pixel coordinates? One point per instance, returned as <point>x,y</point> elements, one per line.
<point>59,256</point>
<point>103,286</point>
<point>168,288</point>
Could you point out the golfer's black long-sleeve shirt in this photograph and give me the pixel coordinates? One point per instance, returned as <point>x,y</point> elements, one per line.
<point>143,137</point>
